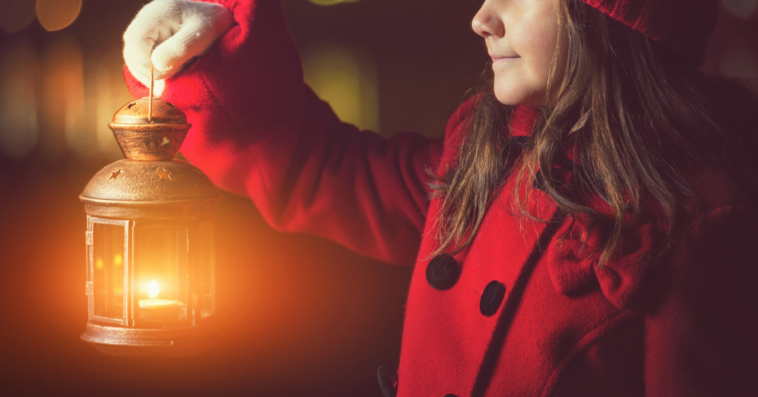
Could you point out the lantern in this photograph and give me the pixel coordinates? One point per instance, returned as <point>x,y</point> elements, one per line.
<point>149,241</point>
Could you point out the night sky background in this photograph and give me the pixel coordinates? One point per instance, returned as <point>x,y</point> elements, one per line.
<point>301,316</point>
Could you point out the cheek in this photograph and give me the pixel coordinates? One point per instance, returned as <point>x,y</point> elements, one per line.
<point>535,41</point>
<point>537,46</point>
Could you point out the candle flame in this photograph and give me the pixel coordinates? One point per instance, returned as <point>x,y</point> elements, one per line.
<point>152,289</point>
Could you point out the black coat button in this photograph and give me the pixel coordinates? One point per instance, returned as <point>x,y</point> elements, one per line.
<point>517,143</point>
<point>450,395</point>
<point>442,272</point>
<point>514,146</point>
<point>492,297</point>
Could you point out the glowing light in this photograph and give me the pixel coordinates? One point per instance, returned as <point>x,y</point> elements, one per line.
<point>118,260</point>
<point>740,8</point>
<point>331,2</point>
<point>78,136</point>
<point>346,79</point>
<point>55,63</point>
<point>65,122</point>
<point>153,289</point>
<point>57,14</point>
<point>99,263</point>
<point>16,14</point>
<point>18,98</point>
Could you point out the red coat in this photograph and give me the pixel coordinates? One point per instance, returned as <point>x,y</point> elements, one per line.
<point>550,322</point>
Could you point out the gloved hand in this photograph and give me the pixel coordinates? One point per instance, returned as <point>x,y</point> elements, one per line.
<point>179,30</point>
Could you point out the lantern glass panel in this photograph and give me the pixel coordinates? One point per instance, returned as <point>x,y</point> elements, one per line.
<point>108,270</point>
<point>160,265</point>
<point>206,269</point>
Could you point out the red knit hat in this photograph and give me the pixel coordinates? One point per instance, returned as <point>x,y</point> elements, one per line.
<point>684,26</point>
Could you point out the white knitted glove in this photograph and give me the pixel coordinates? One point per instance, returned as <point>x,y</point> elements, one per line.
<point>179,30</point>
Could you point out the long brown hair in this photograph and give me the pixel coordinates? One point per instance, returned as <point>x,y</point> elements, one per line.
<point>636,115</point>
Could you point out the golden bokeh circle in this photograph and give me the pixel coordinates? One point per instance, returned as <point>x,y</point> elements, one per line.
<point>57,14</point>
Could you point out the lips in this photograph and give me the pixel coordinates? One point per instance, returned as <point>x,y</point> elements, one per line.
<point>500,57</point>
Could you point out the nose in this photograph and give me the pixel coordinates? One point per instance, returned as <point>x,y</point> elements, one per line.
<point>487,23</point>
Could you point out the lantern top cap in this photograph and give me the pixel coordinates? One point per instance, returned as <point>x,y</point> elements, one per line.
<point>145,138</point>
<point>136,112</point>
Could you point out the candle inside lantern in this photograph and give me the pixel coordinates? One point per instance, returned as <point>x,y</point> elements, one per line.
<point>159,309</point>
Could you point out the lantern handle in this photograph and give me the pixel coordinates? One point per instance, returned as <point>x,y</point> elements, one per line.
<point>150,100</point>
<point>150,94</point>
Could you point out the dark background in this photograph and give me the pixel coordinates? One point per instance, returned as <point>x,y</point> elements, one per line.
<point>301,315</point>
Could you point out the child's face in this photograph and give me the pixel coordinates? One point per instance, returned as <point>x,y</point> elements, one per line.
<point>521,37</point>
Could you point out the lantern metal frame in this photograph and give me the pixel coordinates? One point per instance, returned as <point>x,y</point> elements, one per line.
<point>151,189</point>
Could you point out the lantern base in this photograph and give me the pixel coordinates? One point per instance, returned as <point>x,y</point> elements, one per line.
<point>142,342</point>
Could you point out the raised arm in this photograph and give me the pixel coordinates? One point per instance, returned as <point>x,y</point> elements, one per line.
<point>259,131</point>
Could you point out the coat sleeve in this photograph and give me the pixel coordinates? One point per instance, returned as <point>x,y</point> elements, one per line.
<point>702,337</point>
<point>259,131</point>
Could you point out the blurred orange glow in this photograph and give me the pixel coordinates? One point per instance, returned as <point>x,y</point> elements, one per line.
<point>106,92</point>
<point>57,14</point>
<point>346,79</point>
<point>16,14</point>
<point>79,96</point>
<point>80,137</point>
<point>61,72</point>
<point>18,98</point>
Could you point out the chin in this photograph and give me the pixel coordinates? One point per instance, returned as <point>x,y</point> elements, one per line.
<point>514,96</point>
<point>509,99</point>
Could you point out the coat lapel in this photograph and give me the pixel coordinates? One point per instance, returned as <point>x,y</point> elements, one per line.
<point>446,328</point>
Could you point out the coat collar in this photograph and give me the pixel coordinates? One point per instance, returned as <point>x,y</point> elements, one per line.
<point>574,256</point>
<point>522,121</point>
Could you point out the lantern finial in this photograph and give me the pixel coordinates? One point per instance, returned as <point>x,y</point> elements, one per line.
<point>149,137</point>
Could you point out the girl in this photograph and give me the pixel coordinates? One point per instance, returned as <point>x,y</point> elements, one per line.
<point>585,227</point>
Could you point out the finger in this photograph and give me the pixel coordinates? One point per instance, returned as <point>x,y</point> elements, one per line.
<point>137,70</point>
<point>154,23</point>
<point>202,24</point>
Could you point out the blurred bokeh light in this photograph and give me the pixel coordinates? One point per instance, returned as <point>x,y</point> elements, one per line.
<point>18,99</point>
<point>346,79</point>
<point>739,60</point>
<point>16,14</point>
<point>57,14</point>
<point>106,93</point>
<point>741,8</point>
<point>62,101</point>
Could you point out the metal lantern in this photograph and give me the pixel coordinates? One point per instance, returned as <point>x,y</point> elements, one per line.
<point>150,255</point>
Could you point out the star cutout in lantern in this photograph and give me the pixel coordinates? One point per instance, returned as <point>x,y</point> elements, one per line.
<point>163,173</point>
<point>115,174</point>
<point>165,141</point>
